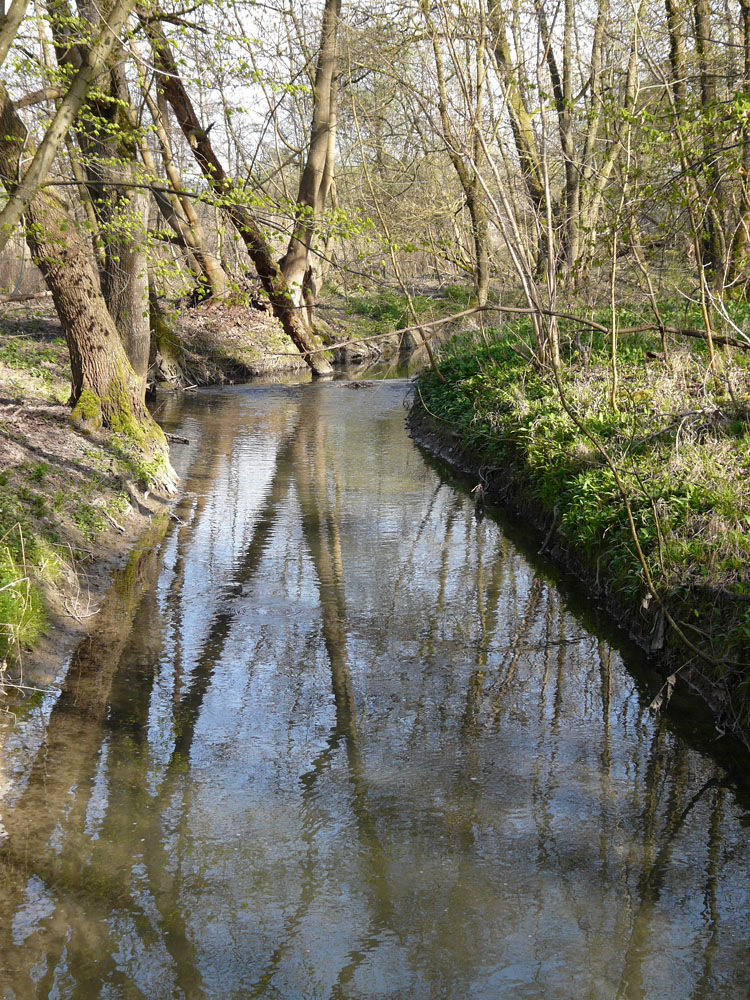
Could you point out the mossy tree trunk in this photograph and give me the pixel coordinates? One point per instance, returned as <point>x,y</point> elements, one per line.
<point>106,391</point>
<point>167,356</point>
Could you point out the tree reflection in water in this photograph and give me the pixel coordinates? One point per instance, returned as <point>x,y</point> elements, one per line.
<point>337,738</point>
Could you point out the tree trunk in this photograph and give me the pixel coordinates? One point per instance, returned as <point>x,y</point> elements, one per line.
<point>126,286</point>
<point>24,191</point>
<point>520,123</point>
<point>317,174</point>
<point>188,229</point>
<point>107,139</point>
<point>269,272</point>
<point>563,98</point>
<point>9,25</point>
<point>742,232</point>
<point>480,234</point>
<point>676,55</point>
<point>105,389</point>
<point>714,245</point>
<point>167,356</point>
<point>467,175</point>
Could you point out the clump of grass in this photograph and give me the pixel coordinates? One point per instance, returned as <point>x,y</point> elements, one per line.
<point>22,613</point>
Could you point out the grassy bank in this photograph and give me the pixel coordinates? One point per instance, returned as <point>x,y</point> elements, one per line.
<point>678,446</point>
<point>374,319</point>
<point>70,504</point>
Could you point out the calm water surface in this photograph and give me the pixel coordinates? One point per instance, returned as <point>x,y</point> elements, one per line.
<point>333,737</point>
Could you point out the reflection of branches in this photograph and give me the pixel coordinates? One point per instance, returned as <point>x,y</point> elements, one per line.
<point>322,534</point>
<point>214,448</point>
<point>488,603</point>
<point>61,778</point>
<point>159,877</point>
<point>451,518</point>
<point>405,568</point>
<point>705,986</point>
<point>220,624</point>
<point>163,884</point>
<point>496,691</point>
<point>651,885</point>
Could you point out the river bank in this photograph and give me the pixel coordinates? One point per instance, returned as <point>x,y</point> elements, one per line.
<point>682,457</point>
<point>73,505</point>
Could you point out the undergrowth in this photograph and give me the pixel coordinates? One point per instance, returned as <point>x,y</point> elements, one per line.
<point>37,510</point>
<point>388,311</point>
<point>679,439</point>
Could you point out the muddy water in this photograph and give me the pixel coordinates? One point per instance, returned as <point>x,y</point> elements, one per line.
<point>336,738</point>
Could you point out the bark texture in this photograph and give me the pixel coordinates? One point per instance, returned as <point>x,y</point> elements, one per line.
<point>106,135</point>
<point>9,25</point>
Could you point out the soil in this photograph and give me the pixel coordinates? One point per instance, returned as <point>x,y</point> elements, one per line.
<point>223,343</point>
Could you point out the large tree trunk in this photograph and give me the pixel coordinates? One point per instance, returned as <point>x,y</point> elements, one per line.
<point>317,174</point>
<point>105,389</point>
<point>269,272</point>
<point>9,25</point>
<point>106,136</point>
<point>126,286</point>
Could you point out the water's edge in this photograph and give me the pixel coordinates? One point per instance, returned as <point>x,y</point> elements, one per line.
<point>499,488</point>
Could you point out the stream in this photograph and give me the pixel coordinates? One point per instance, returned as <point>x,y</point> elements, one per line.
<point>333,735</point>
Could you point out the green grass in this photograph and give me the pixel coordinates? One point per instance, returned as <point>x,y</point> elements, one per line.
<point>681,445</point>
<point>25,557</point>
<point>26,355</point>
<point>35,512</point>
<point>22,614</point>
<point>388,310</point>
